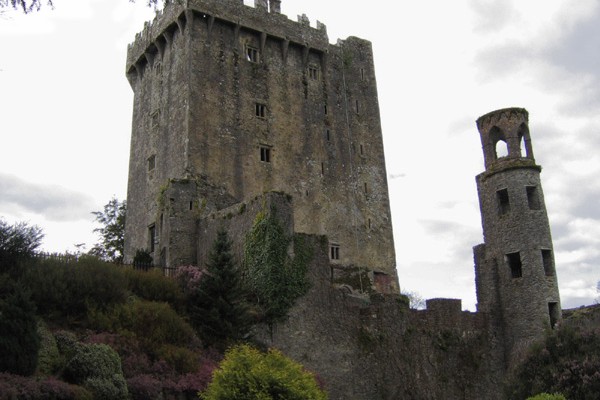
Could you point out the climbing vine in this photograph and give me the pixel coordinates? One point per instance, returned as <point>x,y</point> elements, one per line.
<point>275,277</point>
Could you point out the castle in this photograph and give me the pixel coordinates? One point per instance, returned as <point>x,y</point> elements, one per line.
<point>239,110</point>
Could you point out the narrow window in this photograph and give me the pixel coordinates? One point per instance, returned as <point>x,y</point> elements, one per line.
<point>151,237</point>
<point>514,263</point>
<point>362,150</point>
<point>553,311</point>
<point>533,198</point>
<point>334,251</point>
<point>548,262</point>
<point>313,72</point>
<point>503,202</point>
<point>261,110</point>
<point>366,189</point>
<point>265,154</point>
<point>369,223</point>
<point>357,109</point>
<point>191,205</point>
<point>151,162</point>
<point>322,168</point>
<point>252,54</point>
<point>362,74</point>
<point>325,109</point>
<point>328,134</point>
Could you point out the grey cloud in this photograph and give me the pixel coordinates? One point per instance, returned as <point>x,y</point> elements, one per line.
<point>492,15</point>
<point>462,236</point>
<point>53,202</point>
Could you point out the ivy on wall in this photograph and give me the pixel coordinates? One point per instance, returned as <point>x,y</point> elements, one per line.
<point>275,277</point>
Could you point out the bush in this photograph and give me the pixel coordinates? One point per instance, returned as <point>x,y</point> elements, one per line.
<point>181,359</point>
<point>145,387</point>
<point>18,242</point>
<point>71,291</point>
<point>15,387</point>
<point>49,360</point>
<point>247,374</point>
<point>19,340</point>
<point>98,368</point>
<point>154,286</point>
<point>567,362</point>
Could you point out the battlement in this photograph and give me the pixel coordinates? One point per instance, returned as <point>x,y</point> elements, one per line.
<point>258,18</point>
<point>495,117</point>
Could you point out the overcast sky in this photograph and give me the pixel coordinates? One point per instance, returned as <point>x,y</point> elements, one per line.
<point>65,120</point>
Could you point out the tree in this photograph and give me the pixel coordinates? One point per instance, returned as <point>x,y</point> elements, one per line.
<point>217,307</point>
<point>416,301</point>
<point>112,232</point>
<point>247,374</point>
<point>17,243</point>
<point>19,340</point>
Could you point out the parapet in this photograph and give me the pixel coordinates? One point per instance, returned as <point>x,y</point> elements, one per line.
<point>235,12</point>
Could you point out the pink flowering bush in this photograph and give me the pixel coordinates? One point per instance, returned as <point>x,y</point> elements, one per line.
<point>188,277</point>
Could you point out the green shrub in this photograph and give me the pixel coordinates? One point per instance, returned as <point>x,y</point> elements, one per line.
<point>107,389</point>
<point>183,360</point>
<point>92,361</point>
<point>49,360</point>
<point>98,368</point>
<point>153,323</point>
<point>154,286</point>
<point>567,362</point>
<point>19,340</point>
<point>70,291</point>
<point>247,374</point>
<point>546,396</point>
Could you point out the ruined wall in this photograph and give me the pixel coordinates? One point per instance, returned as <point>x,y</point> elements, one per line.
<point>370,346</point>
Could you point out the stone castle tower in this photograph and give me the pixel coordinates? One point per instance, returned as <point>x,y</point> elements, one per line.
<point>515,275</point>
<point>233,101</point>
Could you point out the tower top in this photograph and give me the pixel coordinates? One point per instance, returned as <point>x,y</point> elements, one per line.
<point>505,138</point>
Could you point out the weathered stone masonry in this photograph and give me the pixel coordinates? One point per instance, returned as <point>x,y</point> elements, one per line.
<point>238,111</point>
<point>246,101</point>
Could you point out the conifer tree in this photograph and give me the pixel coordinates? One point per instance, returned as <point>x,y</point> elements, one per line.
<point>217,307</point>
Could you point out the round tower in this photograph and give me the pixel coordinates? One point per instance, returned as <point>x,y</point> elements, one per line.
<point>515,274</point>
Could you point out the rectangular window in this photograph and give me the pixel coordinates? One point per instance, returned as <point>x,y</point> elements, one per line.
<point>261,110</point>
<point>357,108</point>
<point>514,263</point>
<point>548,262</point>
<point>322,168</point>
<point>334,251</point>
<point>533,198</point>
<point>265,154</point>
<point>362,74</point>
<point>327,134</point>
<point>313,72</point>
<point>503,202</point>
<point>151,162</point>
<point>151,237</point>
<point>362,150</point>
<point>554,313</point>
<point>325,109</point>
<point>252,54</point>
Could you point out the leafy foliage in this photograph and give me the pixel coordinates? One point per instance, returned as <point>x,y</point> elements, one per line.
<point>19,340</point>
<point>18,242</point>
<point>568,362</point>
<point>154,286</point>
<point>98,368</point>
<point>247,374</point>
<point>217,307</point>
<point>275,278</point>
<point>71,291</point>
<point>112,232</point>
<point>142,259</point>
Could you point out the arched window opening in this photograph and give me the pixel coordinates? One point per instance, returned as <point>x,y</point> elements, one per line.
<point>524,141</point>
<point>501,149</point>
<point>496,136</point>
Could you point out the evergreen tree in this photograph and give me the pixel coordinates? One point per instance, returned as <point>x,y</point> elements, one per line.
<point>19,340</point>
<point>217,307</point>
